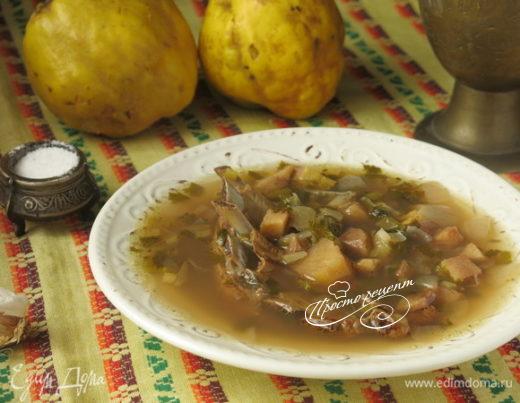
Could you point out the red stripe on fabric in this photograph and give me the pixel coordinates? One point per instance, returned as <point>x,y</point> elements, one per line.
<point>204,382</point>
<point>377,391</point>
<point>377,32</point>
<point>282,123</point>
<point>343,119</point>
<point>358,15</point>
<point>514,176</point>
<point>119,160</point>
<point>396,112</point>
<point>24,272</point>
<point>399,114</point>
<point>510,352</point>
<point>200,7</point>
<point>42,131</point>
<point>292,389</point>
<point>431,87</point>
<point>27,102</point>
<point>456,394</point>
<point>216,113</point>
<point>336,111</point>
<point>121,368</point>
<point>37,349</point>
<point>372,396</point>
<point>407,11</point>
<point>393,50</point>
<point>419,26</point>
<point>108,323</point>
<point>453,385</point>
<point>169,136</point>
<point>410,66</point>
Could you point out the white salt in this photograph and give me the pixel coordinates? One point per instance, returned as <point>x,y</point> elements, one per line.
<point>46,162</point>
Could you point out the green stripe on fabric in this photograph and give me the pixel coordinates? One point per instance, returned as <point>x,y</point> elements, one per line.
<point>157,362</point>
<point>6,391</point>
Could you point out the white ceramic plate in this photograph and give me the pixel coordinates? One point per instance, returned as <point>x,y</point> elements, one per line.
<point>109,242</point>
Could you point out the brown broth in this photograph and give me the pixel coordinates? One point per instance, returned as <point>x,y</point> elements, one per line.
<point>200,297</point>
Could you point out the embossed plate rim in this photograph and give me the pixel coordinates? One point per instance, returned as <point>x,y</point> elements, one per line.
<point>115,277</point>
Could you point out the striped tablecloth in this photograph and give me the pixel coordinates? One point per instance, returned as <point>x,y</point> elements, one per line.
<point>83,349</point>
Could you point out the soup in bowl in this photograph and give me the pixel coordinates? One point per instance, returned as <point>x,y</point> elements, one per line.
<point>328,253</point>
<point>321,257</point>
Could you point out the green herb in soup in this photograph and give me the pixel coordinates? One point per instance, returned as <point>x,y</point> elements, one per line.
<point>265,245</point>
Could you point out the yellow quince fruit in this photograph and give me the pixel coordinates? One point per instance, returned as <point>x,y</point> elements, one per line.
<point>111,67</point>
<point>284,55</point>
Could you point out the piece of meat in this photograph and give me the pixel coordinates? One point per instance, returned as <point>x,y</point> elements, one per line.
<point>310,177</point>
<point>404,271</point>
<point>265,268</point>
<point>324,264</point>
<point>448,238</point>
<point>399,329</point>
<point>296,243</point>
<point>423,317</point>
<point>274,224</point>
<point>473,252</point>
<point>263,248</point>
<point>393,326</point>
<point>461,269</point>
<point>278,180</point>
<point>418,235</point>
<point>417,301</point>
<point>355,214</point>
<point>447,295</point>
<point>368,266</point>
<point>352,326</point>
<point>357,242</point>
<point>341,200</point>
<point>429,227</point>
